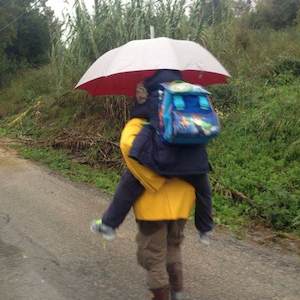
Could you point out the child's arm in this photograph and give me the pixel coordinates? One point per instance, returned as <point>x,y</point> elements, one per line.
<point>150,180</point>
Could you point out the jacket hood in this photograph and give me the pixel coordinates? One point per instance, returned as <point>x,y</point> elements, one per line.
<point>152,83</point>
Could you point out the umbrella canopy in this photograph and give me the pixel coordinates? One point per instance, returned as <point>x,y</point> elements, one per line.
<point>118,71</point>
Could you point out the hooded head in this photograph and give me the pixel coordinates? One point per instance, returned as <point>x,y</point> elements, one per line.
<point>146,106</point>
<point>152,83</point>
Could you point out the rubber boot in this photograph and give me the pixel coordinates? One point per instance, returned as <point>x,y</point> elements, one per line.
<point>176,280</point>
<point>161,293</point>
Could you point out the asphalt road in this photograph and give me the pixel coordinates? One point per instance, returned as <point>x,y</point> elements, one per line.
<point>48,253</point>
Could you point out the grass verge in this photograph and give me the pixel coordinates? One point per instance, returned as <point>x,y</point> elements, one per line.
<point>59,161</point>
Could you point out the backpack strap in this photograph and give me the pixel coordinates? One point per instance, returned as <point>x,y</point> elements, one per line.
<point>178,102</point>
<point>203,102</point>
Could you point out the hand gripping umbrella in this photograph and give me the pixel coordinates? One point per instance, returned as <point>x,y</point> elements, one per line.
<point>118,71</point>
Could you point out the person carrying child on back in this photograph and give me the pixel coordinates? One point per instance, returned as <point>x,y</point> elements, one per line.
<point>188,162</point>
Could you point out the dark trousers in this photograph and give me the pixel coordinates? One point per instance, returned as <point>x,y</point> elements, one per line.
<point>130,189</point>
<point>203,209</point>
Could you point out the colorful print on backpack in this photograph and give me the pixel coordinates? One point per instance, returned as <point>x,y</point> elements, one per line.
<point>186,115</point>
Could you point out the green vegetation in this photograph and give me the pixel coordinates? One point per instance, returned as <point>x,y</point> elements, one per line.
<point>26,32</point>
<point>260,150</point>
<point>256,158</point>
<point>3,132</point>
<point>59,161</point>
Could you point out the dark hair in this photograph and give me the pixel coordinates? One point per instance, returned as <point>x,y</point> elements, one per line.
<point>164,75</point>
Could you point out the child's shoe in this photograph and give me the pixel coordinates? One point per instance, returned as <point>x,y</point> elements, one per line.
<point>205,237</point>
<point>177,295</point>
<point>108,233</point>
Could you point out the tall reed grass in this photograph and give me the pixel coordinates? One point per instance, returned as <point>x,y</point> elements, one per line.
<point>244,52</point>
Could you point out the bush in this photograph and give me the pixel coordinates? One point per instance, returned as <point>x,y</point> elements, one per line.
<point>257,154</point>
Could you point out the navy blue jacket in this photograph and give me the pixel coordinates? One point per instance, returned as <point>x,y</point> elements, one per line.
<point>150,150</point>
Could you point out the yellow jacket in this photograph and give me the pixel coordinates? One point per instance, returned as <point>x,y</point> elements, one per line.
<point>163,199</point>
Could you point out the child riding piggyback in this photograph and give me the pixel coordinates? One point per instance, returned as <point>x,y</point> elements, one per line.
<point>187,161</point>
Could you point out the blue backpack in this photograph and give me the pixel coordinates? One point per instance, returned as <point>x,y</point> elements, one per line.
<point>186,115</point>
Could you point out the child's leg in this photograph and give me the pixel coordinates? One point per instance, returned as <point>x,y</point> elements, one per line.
<point>128,191</point>
<point>203,210</point>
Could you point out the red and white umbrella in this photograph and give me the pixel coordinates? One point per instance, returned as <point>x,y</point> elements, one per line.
<point>118,71</point>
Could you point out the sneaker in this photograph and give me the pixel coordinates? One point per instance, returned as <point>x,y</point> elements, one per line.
<point>108,233</point>
<point>177,295</point>
<point>204,237</point>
